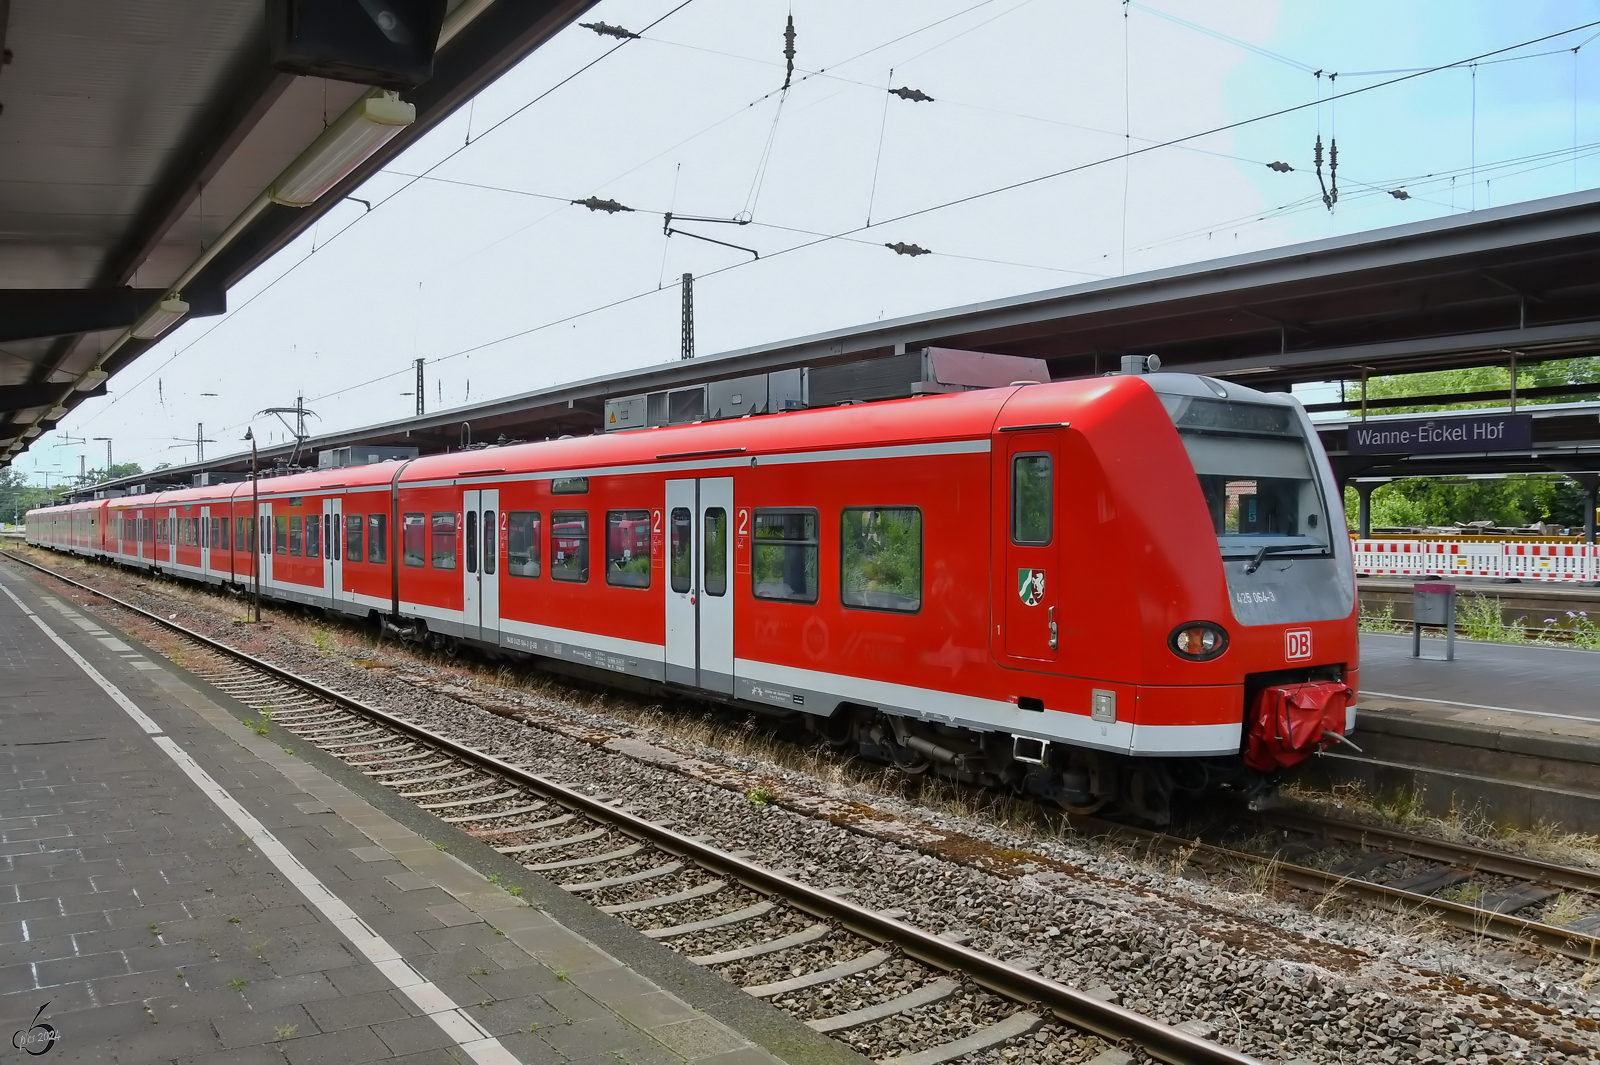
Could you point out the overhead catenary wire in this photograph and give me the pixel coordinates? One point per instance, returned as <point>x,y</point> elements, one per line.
<point>451,155</point>
<point>1175,142</point>
<point>1000,190</point>
<point>1303,203</point>
<point>883,127</point>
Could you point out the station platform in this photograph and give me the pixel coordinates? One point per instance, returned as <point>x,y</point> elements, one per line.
<point>1518,685</point>
<point>1509,730</point>
<point>174,887</point>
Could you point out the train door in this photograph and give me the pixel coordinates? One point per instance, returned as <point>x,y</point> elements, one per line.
<point>333,551</point>
<point>1031,580</point>
<point>699,593</point>
<point>172,537</point>
<point>263,544</point>
<point>480,509</point>
<point>205,540</point>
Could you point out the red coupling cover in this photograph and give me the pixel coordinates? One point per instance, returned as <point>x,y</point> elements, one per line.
<point>1290,723</point>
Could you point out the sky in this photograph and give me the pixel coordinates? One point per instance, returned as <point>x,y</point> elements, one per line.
<point>1043,160</point>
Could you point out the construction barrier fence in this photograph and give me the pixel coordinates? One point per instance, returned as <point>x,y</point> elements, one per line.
<point>1527,562</point>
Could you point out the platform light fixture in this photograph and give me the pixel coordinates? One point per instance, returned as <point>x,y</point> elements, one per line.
<point>91,380</point>
<point>30,432</point>
<point>359,132</point>
<point>158,319</point>
<point>57,412</point>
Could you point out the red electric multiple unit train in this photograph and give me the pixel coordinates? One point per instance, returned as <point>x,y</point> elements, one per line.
<point>1112,589</point>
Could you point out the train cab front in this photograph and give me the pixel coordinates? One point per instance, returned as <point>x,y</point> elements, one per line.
<point>1289,623</point>
<point>1221,609</point>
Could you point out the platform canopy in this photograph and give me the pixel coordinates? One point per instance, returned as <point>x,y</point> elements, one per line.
<point>152,153</point>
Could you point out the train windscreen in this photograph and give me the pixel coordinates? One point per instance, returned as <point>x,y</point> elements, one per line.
<point>1257,475</point>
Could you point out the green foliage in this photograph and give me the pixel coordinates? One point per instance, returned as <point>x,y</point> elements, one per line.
<point>1030,475</point>
<point>17,496</point>
<point>761,795</point>
<point>1479,379</point>
<point>1382,621</point>
<point>883,558</point>
<point>1511,501</point>
<point>1481,618</point>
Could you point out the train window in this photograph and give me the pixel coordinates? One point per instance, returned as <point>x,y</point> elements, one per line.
<point>220,540</point>
<point>294,535</point>
<point>1031,499</point>
<point>332,535</point>
<point>682,549</point>
<point>522,543</point>
<point>352,537</point>
<point>472,541</point>
<point>569,545</point>
<point>414,539</point>
<point>628,548</point>
<point>241,531</point>
<point>880,558</point>
<point>444,540</point>
<point>280,535</point>
<point>491,546</point>
<point>314,536</point>
<point>715,546</point>
<point>377,538</point>
<point>783,559</point>
<point>569,486</point>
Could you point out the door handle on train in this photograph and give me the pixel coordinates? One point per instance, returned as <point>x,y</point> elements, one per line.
<point>1054,632</point>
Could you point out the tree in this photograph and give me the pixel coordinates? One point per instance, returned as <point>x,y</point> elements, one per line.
<point>115,471</point>
<point>1570,372</point>
<point>1519,499</point>
<point>17,496</point>
<point>1514,500</point>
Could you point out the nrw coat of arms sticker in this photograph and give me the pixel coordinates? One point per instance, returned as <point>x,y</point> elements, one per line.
<point>1030,586</point>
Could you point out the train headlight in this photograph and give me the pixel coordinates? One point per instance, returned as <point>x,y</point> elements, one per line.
<point>1198,641</point>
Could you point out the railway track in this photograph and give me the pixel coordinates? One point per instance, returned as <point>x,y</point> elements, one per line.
<point>1492,891</point>
<point>813,952</point>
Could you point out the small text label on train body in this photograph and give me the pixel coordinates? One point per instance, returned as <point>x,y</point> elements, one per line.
<point>1297,644</point>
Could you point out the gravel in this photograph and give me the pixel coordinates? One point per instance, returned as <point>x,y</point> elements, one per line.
<point>1277,976</point>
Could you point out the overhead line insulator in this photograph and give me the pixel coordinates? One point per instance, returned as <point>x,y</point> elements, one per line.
<point>595,203</point>
<point>605,29</point>
<point>902,248</point>
<point>914,95</point>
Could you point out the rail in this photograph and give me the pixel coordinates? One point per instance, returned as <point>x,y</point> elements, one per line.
<point>1078,1008</point>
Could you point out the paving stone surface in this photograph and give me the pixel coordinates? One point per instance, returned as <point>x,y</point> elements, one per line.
<point>153,930</point>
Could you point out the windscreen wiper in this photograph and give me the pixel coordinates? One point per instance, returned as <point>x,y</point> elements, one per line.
<point>1276,549</point>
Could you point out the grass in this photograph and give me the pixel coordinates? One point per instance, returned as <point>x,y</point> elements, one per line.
<point>238,983</point>
<point>1383,621</point>
<point>761,795</point>
<point>1462,823</point>
<point>287,1031</point>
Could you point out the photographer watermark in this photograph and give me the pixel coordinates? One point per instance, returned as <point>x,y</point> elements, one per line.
<point>38,1037</point>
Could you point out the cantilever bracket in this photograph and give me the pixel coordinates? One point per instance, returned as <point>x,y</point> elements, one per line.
<point>667,230</point>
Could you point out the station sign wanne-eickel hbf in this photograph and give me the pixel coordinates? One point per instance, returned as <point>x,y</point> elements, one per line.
<point>1425,436</point>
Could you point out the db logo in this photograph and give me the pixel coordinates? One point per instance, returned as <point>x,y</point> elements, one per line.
<point>1297,644</point>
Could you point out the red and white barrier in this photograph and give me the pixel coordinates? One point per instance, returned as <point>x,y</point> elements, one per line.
<point>1427,558</point>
